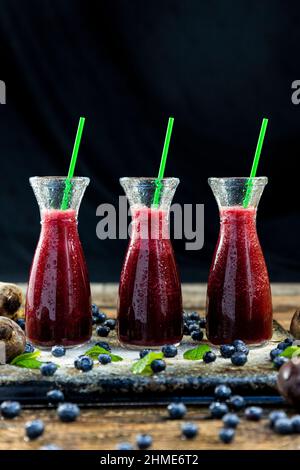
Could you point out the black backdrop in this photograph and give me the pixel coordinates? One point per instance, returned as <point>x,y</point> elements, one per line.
<point>217,66</point>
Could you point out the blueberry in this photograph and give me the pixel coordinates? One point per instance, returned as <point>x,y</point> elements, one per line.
<point>279,361</point>
<point>227,350</point>
<point>34,429</point>
<point>209,356</point>
<point>238,342</point>
<point>104,359</point>
<point>95,309</point>
<point>55,396</point>
<point>241,347</point>
<point>186,330</point>
<point>282,346</point>
<point>274,353</point>
<point>197,335</point>
<point>202,322</point>
<point>158,365</point>
<point>100,318</point>
<point>253,413</point>
<point>283,426</point>
<point>289,341</point>
<point>111,323</point>
<point>68,412</point>
<point>77,362</point>
<point>144,352</point>
<point>226,435</point>
<point>238,359</point>
<point>177,410</point>
<point>143,441</point>
<point>218,410</point>
<point>103,345</point>
<point>189,430</point>
<point>296,423</point>
<point>222,392</point>
<point>58,351</point>
<point>10,409</point>
<point>231,420</point>
<point>169,350</point>
<point>50,447</point>
<point>236,402</point>
<point>21,323</point>
<point>275,415</point>
<point>102,331</point>
<point>85,363</point>
<point>194,316</point>
<point>193,327</point>
<point>48,369</point>
<point>124,446</point>
<point>29,348</point>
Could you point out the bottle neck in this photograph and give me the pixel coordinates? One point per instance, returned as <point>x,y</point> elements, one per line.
<point>237,215</point>
<point>57,216</point>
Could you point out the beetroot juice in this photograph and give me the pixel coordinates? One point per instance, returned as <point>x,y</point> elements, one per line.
<point>58,301</point>
<point>150,303</point>
<point>239,304</point>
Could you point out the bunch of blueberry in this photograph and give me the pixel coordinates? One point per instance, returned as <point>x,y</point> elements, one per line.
<point>105,325</point>
<point>193,325</point>
<point>237,352</point>
<point>278,360</point>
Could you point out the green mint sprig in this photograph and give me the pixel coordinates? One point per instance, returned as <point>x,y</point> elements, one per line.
<point>197,353</point>
<point>143,366</point>
<point>96,350</point>
<point>27,360</point>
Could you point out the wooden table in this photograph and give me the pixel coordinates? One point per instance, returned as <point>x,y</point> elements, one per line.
<point>102,428</point>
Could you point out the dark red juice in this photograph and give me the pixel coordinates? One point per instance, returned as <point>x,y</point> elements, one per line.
<point>58,302</point>
<point>150,304</point>
<point>239,304</point>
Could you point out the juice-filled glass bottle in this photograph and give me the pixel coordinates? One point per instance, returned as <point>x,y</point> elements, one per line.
<point>239,304</point>
<point>150,303</point>
<point>58,300</point>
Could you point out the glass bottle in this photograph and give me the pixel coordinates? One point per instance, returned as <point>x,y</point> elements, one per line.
<point>150,303</point>
<point>239,304</point>
<point>58,300</point>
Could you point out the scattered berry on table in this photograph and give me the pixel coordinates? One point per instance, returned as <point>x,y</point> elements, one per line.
<point>253,413</point>
<point>222,392</point>
<point>100,318</point>
<point>209,356</point>
<point>95,309</point>
<point>144,352</point>
<point>124,446</point>
<point>103,331</point>
<point>77,361</point>
<point>104,359</point>
<point>238,342</point>
<point>143,441</point>
<point>84,363</point>
<point>283,426</point>
<point>21,323</point>
<point>111,323</point>
<point>55,396</point>
<point>226,435</point>
<point>289,341</point>
<point>279,361</point>
<point>104,345</point>
<point>158,365</point>
<point>186,330</point>
<point>194,316</point>
<point>189,430</point>
<point>29,348</point>
<point>238,358</point>
<point>48,369</point>
<point>58,351</point>
<point>240,346</point>
<point>34,429</point>
<point>169,350</point>
<point>68,412</point>
<point>202,322</point>
<point>193,327</point>
<point>275,415</point>
<point>230,420</point>
<point>227,350</point>
<point>218,409</point>
<point>177,410</point>
<point>50,447</point>
<point>274,353</point>
<point>296,423</point>
<point>197,335</point>
<point>236,402</point>
<point>10,409</point>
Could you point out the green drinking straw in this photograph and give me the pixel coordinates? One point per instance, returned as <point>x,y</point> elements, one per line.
<point>163,163</point>
<point>255,161</point>
<point>65,200</point>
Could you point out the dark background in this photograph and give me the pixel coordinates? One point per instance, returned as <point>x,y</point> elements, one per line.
<point>217,66</point>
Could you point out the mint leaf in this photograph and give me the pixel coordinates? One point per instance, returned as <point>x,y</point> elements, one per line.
<point>196,353</point>
<point>142,366</point>
<point>96,350</point>
<point>27,360</point>
<point>291,351</point>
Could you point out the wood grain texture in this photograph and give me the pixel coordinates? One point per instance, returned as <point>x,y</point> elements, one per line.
<point>103,428</point>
